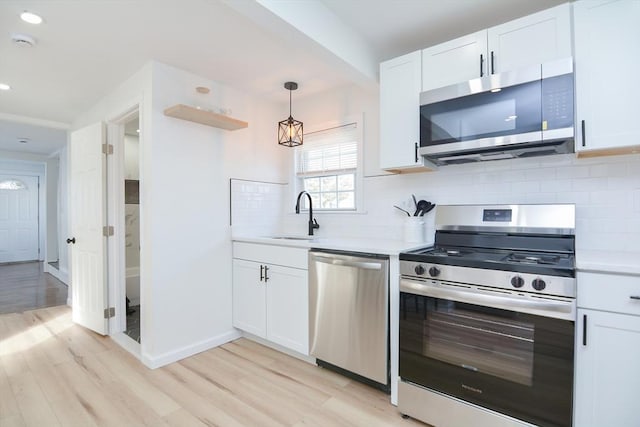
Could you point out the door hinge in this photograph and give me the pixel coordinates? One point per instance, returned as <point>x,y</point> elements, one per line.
<point>107,149</point>
<point>109,312</point>
<point>107,230</point>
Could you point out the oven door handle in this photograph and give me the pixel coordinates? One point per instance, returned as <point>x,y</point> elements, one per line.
<point>559,309</point>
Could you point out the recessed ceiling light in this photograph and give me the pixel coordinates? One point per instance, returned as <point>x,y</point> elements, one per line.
<point>138,130</point>
<point>31,18</point>
<point>23,140</point>
<point>4,86</point>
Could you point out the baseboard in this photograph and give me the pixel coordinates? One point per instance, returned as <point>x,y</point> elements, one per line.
<point>58,274</point>
<point>281,349</point>
<point>128,343</point>
<point>179,354</point>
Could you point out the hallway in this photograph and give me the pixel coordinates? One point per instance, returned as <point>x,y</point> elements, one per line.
<point>24,286</point>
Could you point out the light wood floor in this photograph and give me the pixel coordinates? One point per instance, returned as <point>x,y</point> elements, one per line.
<point>25,286</point>
<point>55,373</point>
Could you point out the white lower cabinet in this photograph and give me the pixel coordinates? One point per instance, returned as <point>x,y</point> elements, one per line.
<point>607,351</point>
<point>270,300</point>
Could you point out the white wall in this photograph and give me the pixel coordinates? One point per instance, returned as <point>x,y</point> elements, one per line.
<point>63,219</point>
<point>606,190</point>
<point>52,175</point>
<point>131,157</point>
<point>186,170</point>
<point>132,213</point>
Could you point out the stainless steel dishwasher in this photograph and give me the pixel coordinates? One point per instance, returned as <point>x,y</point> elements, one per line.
<point>349,314</point>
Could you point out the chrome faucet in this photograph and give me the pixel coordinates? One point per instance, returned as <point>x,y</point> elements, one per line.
<point>312,222</point>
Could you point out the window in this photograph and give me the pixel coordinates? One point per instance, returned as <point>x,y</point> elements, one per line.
<point>12,184</point>
<point>327,167</point>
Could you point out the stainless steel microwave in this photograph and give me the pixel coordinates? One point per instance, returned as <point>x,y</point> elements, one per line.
<point>523,113</point>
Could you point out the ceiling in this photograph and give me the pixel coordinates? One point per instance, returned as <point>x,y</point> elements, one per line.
<point>86,48</point>
<point>39,139</point>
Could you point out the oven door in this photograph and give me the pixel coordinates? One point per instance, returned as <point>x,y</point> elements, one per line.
<point>464,341</point>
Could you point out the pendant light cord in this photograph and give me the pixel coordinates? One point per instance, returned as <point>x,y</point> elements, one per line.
<point>289,102</point>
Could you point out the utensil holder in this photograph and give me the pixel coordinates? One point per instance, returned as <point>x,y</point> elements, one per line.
<point>414,229</point>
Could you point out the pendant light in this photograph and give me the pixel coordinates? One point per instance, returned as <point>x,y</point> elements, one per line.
<point>290,130</point>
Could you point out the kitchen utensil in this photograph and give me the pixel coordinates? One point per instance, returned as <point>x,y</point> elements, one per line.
<point>428,209</point>
<point>415,203</point>
<point>421,205</point>
<point>398,207</point>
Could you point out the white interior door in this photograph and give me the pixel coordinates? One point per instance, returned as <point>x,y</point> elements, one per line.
<point>19,218</point>
<point>87,212</point>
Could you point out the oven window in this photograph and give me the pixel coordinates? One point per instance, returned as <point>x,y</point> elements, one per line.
<point>461,335</point>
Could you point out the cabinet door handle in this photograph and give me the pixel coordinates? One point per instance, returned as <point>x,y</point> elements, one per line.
<point>265,274</point>
<point>584,134</point>
<point>481,65</point>
<point>636,297</point>
<point>584,329</point>
<point>416,153</point>
<point>493,69</point>
<point>261,274</point>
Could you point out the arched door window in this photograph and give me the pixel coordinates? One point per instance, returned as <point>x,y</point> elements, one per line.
<point>12,184</point>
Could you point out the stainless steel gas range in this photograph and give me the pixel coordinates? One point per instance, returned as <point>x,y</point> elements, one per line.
<point>487,318</point>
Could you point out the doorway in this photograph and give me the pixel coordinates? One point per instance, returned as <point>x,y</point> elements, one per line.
<point>19,218</point>
<point>131,150</point>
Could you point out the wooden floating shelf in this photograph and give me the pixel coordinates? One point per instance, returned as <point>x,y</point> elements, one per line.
<point>204,117</point>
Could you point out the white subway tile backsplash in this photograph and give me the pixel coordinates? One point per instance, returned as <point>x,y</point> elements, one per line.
<point>573,172</point>
<point>575,197</point>
<point>588,184</point>
<point>540,174</point>
<point>256,207</point>
<point>606,192</point>
<point>525,187</point>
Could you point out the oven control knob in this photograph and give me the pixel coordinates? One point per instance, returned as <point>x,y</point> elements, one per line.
<point>419,270</point>
<point>538,284</point>
<point>434,272</point>
<point>517,282</point>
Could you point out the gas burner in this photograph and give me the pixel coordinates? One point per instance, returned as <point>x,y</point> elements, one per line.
<point>449,252</point>
<point>533,259</point>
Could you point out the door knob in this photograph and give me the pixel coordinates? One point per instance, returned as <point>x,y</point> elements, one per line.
<point>72,240</point>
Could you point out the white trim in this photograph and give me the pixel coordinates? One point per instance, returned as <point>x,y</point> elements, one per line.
<point>116,264</point>
<point>127,343</point>
<point>190,350</point>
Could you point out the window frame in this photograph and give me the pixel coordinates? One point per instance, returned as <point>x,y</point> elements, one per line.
<point>298,181</point>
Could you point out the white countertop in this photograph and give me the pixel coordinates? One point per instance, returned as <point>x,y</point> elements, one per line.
<point>372,246</point>
<point>608,262</point>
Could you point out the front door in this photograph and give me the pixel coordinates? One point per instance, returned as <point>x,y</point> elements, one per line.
<point>18,218</point>
<point>87,213</point>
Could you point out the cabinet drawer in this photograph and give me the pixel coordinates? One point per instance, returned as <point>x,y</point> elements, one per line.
<point>271,254</point>
<point>609,292</point>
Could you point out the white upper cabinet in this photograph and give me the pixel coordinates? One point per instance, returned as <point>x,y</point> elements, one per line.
<point>607,58</point>
<point>455,61</point>
<point>400,84</point>
<point>533,39</point>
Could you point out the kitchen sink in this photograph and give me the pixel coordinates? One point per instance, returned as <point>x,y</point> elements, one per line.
<point>292,237</point>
